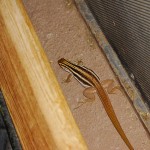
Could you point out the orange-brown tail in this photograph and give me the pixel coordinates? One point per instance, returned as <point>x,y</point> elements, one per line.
<point>110,112</point>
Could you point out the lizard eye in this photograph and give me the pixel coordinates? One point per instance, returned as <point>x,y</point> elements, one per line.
<point>65,68</point>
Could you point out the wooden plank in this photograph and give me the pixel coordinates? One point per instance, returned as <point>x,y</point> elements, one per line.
<point>39,110</point>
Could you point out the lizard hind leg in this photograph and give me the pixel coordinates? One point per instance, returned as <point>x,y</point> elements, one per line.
<point>110,87</point>
<point>89,93</point>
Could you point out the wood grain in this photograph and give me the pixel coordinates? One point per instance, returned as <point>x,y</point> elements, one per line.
<point>39,110</point>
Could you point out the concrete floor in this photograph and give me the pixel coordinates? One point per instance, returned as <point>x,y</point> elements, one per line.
<point>63,33</point>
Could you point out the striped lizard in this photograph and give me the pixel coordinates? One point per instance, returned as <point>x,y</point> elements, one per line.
<point>89,79</point>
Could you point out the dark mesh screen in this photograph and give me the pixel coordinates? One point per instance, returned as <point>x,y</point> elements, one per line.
<point>8,136</point>
<point>126,24</point>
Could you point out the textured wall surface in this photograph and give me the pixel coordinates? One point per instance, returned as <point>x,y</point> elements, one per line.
<point>63,33</point>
